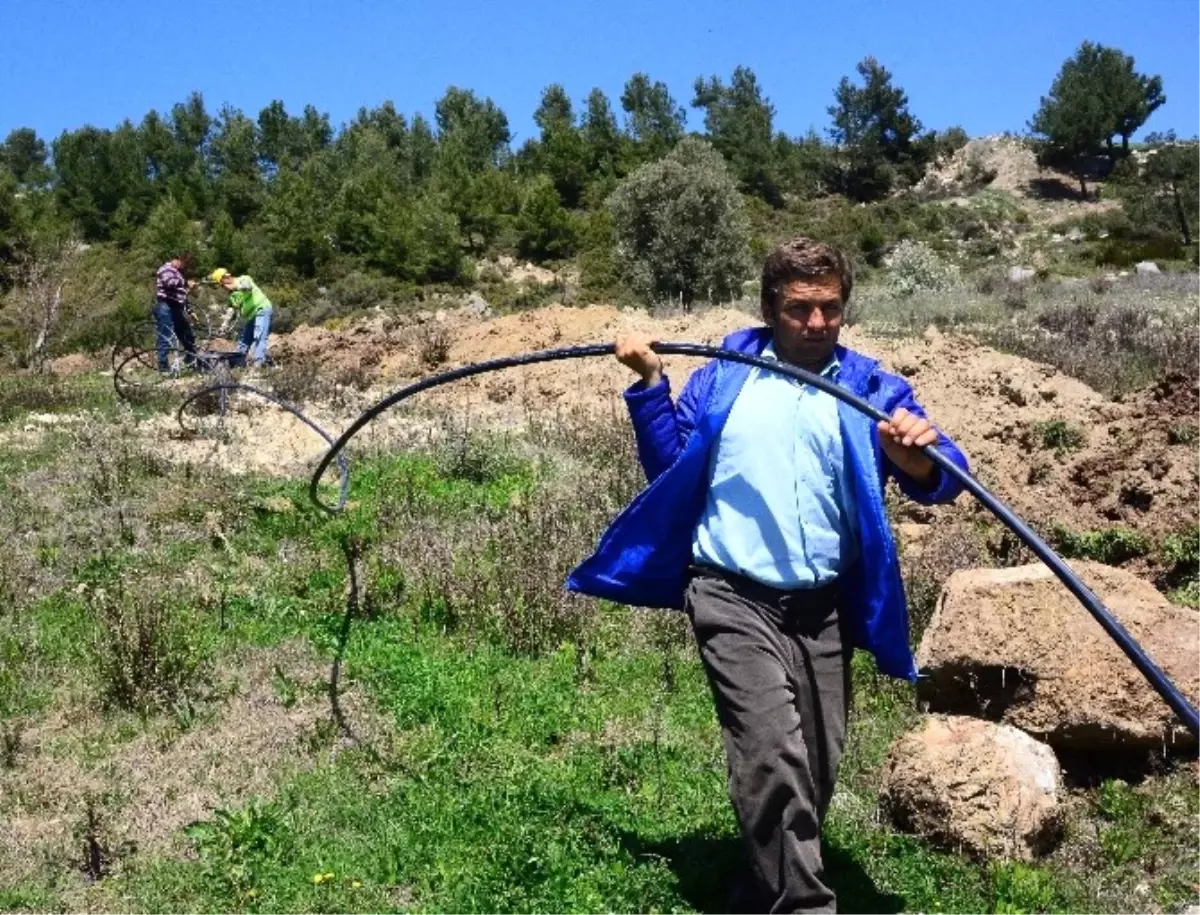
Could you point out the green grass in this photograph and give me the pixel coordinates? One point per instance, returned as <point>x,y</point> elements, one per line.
<point>21,395</point>
<point>586,774</point>
<point>519,789</point>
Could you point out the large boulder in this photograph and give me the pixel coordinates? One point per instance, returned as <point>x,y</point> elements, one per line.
<point>1145,268</point>
<point>1013,645</point>
<point>987,789</point>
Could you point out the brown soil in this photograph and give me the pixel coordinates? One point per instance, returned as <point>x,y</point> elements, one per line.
<point>991,403</point>
<point>1049,194</point>
<point>75,364</point>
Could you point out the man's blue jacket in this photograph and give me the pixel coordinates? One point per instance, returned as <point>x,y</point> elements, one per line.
<point>643,558</point>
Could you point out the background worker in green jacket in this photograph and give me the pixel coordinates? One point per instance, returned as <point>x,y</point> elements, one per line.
<point>248,301</point>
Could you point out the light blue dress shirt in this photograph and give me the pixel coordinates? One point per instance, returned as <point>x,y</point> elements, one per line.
<point>780,505</point>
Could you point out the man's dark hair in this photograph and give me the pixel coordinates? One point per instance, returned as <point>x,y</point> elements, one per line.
<point>802,258</point>
<point>186,260</point>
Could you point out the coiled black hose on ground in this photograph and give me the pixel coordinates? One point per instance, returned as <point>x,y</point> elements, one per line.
<point>128,355</point>
<point>1170,693</point>
<point>223,388</point>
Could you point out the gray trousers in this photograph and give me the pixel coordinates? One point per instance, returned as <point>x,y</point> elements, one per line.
<point>779,668</point>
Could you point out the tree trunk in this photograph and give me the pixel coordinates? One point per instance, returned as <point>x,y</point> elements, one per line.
<point>1082,185</point>
<point>1181,215</point>
<point>37,355</point>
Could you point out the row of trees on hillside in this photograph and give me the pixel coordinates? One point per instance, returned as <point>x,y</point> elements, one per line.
<point>409,196</point>
<point>412,199</point>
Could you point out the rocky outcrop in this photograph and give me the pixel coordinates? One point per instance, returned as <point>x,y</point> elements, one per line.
<point>1013,645</point>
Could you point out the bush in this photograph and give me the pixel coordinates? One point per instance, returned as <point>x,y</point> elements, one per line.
<point>680,227</point>
<point>1183,434</point>
<point>493,524</point>
<point>975,173</point>
<point>950,141</point>
<point>357,290</point>
<point>1125,252</point>
<point>435,344</point>
<point>1111,547</point>
<point>871,243</point>
<point>146,653</point>
<point>1181,555</point>
<point>914,267</point>
<point>298,381</point>
<point>1060,436</point>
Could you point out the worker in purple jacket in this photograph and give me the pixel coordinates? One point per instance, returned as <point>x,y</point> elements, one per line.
<point>171,312</point>
<point>764,520</point>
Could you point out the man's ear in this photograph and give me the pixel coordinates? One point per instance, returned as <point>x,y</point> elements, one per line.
<point>768,315</point>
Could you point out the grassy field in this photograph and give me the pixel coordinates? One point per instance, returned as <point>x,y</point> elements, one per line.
<point>403,710</point>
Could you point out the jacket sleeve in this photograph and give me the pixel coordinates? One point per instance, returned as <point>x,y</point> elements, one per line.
<point>945,488</point>
<point>660,426</point>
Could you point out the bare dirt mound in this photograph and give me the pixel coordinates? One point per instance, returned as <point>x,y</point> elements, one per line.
<point>74,364</point>
<point>1052,447</point>
<point>1010,160</point>
<point>1013,167</point>
<point>1048,444</point>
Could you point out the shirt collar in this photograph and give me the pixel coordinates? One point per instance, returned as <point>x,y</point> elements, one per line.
<point>830,370</point>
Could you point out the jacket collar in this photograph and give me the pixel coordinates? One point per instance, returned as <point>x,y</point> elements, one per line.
<point>856,369</point>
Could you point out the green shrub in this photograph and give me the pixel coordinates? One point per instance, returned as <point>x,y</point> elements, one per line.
<point>871,244</point>
<point>1117,251</point>
<point>358,289</point>
<point>949,141</point>
<point>1111,547</point>
<point>680,227</point>
<point>236,846</point>
<point>1060,436</point>
<point>914,267</point>
<point>147,651</point>
<point>1182,549</point>
<point>1122,811</point>
<point>1183,434</point>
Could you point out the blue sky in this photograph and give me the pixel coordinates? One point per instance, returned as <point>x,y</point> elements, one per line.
<point>66,63</point>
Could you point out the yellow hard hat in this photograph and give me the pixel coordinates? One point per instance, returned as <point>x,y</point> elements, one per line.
<point>219,274</point>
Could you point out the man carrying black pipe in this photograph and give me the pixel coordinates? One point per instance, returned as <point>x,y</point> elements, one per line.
<point>765,522</point>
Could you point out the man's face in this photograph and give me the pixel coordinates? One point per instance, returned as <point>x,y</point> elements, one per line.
<point>227,281</point>
<point>807,318</point>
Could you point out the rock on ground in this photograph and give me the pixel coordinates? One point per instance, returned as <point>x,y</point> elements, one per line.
<point>987,789</point>
<point>1013,645</point>
<point>476,306</point>
<point>1145,267</point>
